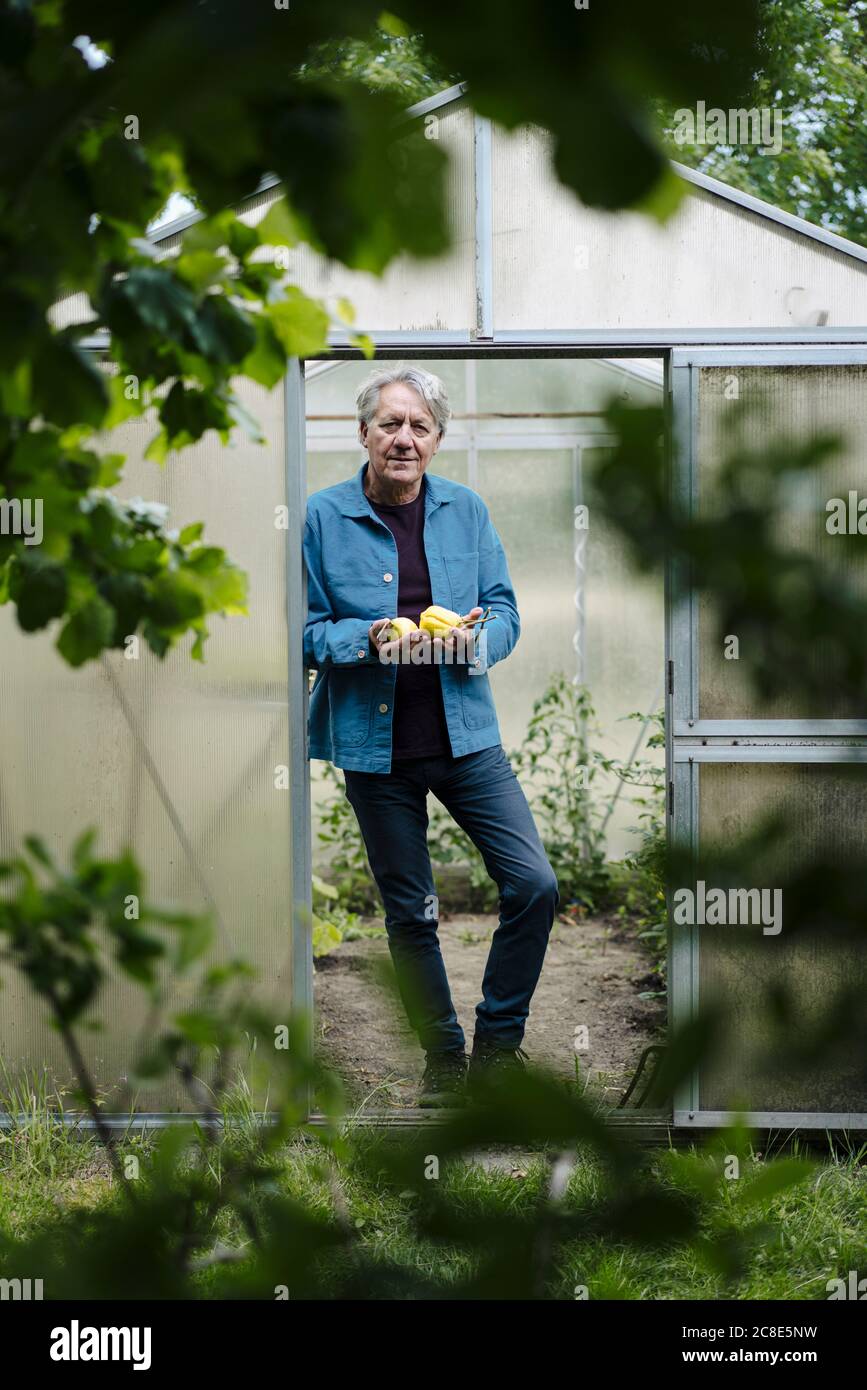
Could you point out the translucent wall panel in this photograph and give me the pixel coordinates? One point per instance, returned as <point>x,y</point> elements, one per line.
<point>801,403</point>
<point>215,732</point>
<point>552,395</point>
<point>624,654</point>
<point>824,806</point>
<point>615,646</point>
<point>531,498</point>
<point>558,264</point>
<point>414,294</point>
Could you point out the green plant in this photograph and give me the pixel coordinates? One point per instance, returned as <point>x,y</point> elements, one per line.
<point>347,868</point>
<point>558,769</point>
<point>206,1210</point>
<point>331,920</point>
<point>642,885</point>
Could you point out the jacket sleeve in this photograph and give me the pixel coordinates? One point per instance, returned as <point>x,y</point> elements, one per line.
<point>329,641</point>
<point>495,589</point>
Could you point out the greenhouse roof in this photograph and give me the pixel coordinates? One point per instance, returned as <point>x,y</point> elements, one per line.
<point>759,206</point>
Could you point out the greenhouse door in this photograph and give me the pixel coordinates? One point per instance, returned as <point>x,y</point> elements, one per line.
<point>733,759</point>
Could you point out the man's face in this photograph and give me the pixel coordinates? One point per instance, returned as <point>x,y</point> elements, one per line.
<point>401,438</point>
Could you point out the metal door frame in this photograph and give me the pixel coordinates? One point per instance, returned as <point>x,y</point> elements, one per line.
<point>714,347</point>
<point>691,740</point>
<point>418,345</point>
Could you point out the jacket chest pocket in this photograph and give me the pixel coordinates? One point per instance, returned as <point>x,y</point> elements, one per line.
<point>353,594</point>
<point>463,573</point>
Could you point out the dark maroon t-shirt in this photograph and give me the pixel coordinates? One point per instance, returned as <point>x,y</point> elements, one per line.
<point>419,726</point>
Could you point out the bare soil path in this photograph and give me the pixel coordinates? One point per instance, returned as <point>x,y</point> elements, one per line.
<point>593,975</point>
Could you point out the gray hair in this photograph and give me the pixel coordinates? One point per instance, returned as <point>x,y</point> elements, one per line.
<point>429,387</point>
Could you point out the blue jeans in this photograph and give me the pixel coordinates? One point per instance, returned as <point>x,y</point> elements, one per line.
<point>481,792</point>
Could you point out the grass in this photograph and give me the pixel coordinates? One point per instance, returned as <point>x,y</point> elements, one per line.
<point>796,1240</point>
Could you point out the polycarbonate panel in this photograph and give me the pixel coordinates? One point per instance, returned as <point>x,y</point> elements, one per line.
<point>413,294</point>
<point>624,656</point>
<point>531,498</point>
<point>824,809</point>
<point>216,732</point>
<point>801,403</point>
<point>329,469</point>
<point>555,395</point>
<point>616,649</point>
<point>560,265</point>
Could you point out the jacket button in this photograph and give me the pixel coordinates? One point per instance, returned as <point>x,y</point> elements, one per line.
<point>388,578</point>
<point>383,709</point>
<point>361,651</point>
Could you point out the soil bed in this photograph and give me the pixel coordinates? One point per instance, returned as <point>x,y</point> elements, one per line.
<point>594,973</point>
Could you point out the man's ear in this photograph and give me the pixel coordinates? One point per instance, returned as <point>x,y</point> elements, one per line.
<point>362,432</point>
<point>438,443</point>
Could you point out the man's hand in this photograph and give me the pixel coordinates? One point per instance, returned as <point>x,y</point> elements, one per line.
<point>460,641</point>
<point>397,650</point>
<point>375,632</point>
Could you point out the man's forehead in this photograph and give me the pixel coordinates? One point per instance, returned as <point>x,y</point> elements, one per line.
<point>398,397</point>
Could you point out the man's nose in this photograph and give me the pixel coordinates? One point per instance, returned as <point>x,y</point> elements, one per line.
<point>404,436</point>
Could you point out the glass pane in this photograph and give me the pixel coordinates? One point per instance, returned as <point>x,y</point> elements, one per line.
<point>617,650</point>
<point>214,731</point>
<point>802,403</point>
<point>810,957</point>
<point>557,394</point>
<point>624,647</point>
<point>531,498</point>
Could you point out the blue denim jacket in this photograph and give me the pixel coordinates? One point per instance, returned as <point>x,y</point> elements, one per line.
<point>350,557</point>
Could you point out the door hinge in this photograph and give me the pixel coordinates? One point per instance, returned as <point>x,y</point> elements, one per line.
<point>671,677</point>
<point>671,798</point>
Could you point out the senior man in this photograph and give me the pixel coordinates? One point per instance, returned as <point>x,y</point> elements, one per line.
<point>408,716</point>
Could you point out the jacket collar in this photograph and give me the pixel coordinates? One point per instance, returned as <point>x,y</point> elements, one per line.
<point>353,501</point>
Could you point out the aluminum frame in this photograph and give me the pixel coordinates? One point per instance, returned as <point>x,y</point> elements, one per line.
<point>684,367</point>
<point>684,948</point>
<point>584,342</point>
<point>300,839</point>
<point>734,740</point>
<point>484,226</point>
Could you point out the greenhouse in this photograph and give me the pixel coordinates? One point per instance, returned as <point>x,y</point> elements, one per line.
<point>540,315</point>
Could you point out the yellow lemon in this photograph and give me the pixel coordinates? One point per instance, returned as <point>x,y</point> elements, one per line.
<point>399,628</point>
<point>438,621</point>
